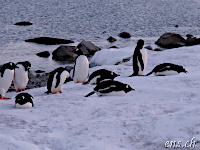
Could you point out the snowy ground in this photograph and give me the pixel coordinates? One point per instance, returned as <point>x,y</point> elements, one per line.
<point>161,109</point>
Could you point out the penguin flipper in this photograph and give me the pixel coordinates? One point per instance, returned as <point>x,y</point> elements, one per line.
<point>91,93</point>
<point>141,61</point>
<point>57,80</point>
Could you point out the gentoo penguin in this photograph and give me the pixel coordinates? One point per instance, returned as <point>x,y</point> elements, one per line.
<point>167,69</point>
<point>21,75</point>
<point>81,69</point>
<point>139,59</point>
<point>109,87</point>
<point>56,79</point>
<point>101,74</point>
<point>24,100</point>
<point>6,78</point>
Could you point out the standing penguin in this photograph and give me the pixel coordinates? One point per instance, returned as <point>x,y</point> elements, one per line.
<point>109,87</point>
<point>56,80</point>
<point>101,74</point>
<point>21,75</point>
<point>6,78</point>
<point>81,69</point>
<point>167,69</point>
<point>139,59</point>
<point>24,100</point>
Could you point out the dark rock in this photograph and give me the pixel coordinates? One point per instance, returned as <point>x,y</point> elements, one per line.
<point>62,53</point>
<point>49,41</point>
<point>23,23</point>
<point>40,71</point>
<point>87,47</point>
<point>170,40</point>
<point>149,47</point>
<point>44,54</point>
<point>176,26</point>
<point>191,40</point>
<point>158,49</point>
<point>113,47</point>
<point>111,39</point>
<point>124,35</point>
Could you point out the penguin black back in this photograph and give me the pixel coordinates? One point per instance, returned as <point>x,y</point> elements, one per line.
<point>137,57</point>
<point>51,76</point>
<point>103,74</point>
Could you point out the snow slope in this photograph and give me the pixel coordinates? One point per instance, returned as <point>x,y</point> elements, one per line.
<point>160,109</point>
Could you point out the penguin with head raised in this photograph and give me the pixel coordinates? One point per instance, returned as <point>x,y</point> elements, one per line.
<point>24,100</point>
<point>101,74</point>
<point>81,69</point>
<point>56,79</point>
<point>139,59</point>
<point>166,69</point>
<point>21,75</point>
<point>6,78</point>
<point>109,87</point>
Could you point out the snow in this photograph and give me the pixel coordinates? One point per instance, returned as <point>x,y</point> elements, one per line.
<point>160,110</point>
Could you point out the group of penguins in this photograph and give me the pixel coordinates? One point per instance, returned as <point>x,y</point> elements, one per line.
<point>104,79</point>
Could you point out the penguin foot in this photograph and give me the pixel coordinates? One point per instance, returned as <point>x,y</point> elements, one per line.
<point>4,98</point>
<point>60,92</point>
<point>23,89</point>
<point>141,75</point>
<point>54,93</point>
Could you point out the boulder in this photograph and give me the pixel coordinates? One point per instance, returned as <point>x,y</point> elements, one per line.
<point>23,23</point>
<point>44,54</point>
<point>170,40</point>
<point>111,39</point>
<point>87,47</point>
<point>49,41</point>
<point>62,53</point>
<point>124,35</point>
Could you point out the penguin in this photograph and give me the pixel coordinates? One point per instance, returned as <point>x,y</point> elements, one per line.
<point>6,78</point>
<point>109,87</point>
<point>81,69</point>
<point>167,69</point>
<point>102,74</point>
<point>21,75</point>
<point>56,79</point>
<point>24,100</point>
<point>139,59</point>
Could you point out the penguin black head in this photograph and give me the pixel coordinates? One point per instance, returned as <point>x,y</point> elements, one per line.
<point>22,99</point>
<point>140,43</point>
<point>9,65</point>
<point>113,74</point>
<point>26,64</point>
<point>128,88</point>
<point>181,69</point>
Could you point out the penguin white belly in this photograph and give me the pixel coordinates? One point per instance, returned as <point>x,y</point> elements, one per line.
<point>27,105</point>
<point>21,78</point>
<point>63,77</point>
<point>166,73</point>
<point>144,58</point>
<point>81,69</point>
<point>113,93</point>
<point>6,81</point>
<point>94,80</point>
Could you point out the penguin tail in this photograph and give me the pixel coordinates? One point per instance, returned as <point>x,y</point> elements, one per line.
<point>149,73</point>
<point>85,82</point>
<point>91,93</point>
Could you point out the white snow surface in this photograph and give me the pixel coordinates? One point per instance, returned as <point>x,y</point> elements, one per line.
<point>161,109</point>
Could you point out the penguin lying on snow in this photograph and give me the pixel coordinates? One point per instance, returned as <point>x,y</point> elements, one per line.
<point>24,100</point>
<point>81,69</point>
<point>139,59</point>
<point>111,88</point>
<point>100,74</point>
<point>21,75</point>
<point>56,80</point>
<point>167,69</point>
<point>6,78</point>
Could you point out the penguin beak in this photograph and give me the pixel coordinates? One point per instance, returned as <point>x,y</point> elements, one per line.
<point>186,71</point>
<point>16,67</point>
<point>118,75</point>
<point>132,89</point>
<point>19,99</point>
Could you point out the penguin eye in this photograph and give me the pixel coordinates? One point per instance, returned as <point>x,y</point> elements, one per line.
<point>112,73</point>
<point>127,86</point>
<point>10,64</point>
<point>23,97</point>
